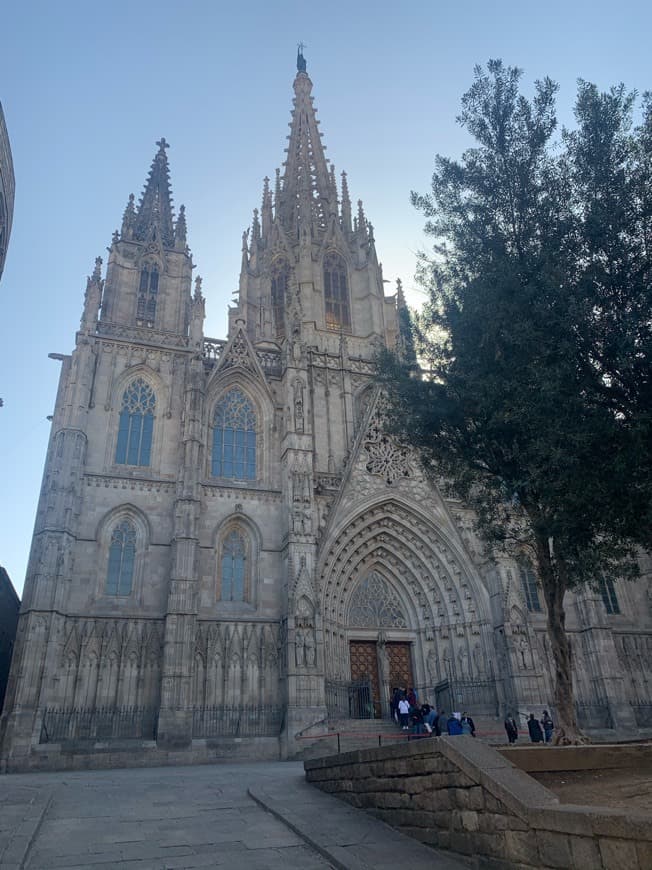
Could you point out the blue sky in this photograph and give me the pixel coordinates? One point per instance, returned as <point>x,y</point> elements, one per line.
<point>87,89</point>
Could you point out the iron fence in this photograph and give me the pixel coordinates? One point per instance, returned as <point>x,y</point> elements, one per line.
<point>101,723</point>
<point>237,721</point>
<point>593,715</point>
<point>349,700</point>
<point>642,714</point>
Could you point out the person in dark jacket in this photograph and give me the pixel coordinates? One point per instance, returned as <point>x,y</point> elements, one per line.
<point>534,727</point>
<point>511,728</point>
<point>548,725</point>
<point>467,724</point>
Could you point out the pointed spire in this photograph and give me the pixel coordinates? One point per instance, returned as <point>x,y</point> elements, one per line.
<point>304,201</point>
<point>154,213</point>
<point>128,219</point>
<point>180,230</point>
<point>277,193</point>
<point>266,210</point>
<point>333,192</point>
<point>255,227</point>
<point>346,205</point>
<point>400,296</point>
<point>93,298</point>
<point>361,223</point>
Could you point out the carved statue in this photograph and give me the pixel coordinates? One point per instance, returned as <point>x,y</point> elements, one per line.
<point>310,648</point>
<point>298,406</point>
<point>300,647</point>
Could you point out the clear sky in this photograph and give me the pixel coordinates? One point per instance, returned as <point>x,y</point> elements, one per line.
<point>88,87</point>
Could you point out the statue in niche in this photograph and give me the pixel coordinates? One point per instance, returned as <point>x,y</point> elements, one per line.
<point>523,653</point>
<point>310,648</point>
<point>478,660</point>
<point>300,647</point>
<point>463,658</point>
<point>298,406</point>
<point>432,666</point>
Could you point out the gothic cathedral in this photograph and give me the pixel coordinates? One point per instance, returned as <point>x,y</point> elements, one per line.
<point>230,552</point>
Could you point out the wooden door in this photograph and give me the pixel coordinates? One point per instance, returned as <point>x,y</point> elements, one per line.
<point>400,665</point>
<point>364,666</point>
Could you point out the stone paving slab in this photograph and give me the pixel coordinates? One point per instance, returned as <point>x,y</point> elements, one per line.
<point>255,816</point>
<point>348,838</point>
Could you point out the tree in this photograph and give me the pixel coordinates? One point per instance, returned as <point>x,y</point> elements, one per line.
<point>534,410</point>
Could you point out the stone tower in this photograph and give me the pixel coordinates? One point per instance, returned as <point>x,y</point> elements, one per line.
<point>230,549</point>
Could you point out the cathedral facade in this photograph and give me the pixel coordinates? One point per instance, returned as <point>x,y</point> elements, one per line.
<point>229,547</point>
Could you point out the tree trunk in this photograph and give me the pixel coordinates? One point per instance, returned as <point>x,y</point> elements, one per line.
<point>554,582</point>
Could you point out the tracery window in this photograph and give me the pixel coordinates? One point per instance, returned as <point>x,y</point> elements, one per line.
<point>136,424</point>
<point>147,294</point>
<point>609,597</point>
<point>122,555</point>
<point>336,292</point>
<point>530,588</point>
<point>233,586</point>
<point>375,605</point>
<point>280,283</point>
<point>234,437</point>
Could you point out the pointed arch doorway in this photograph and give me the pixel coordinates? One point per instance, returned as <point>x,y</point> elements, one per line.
<point>380,646</point>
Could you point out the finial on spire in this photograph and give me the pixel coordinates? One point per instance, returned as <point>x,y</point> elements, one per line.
<point>198,293</point>
<point>301,61</point>
<point>162,144</point>
<point>97,271</point>
<point>181,229</point>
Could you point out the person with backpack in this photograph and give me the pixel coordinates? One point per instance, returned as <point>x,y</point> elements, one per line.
<point>454,726</point>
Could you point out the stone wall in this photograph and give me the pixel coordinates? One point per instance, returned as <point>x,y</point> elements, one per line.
<point>456,793</point>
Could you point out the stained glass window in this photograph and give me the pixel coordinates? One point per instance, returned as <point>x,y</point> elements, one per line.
<point>336,292</point>
<point>234,554</point>
<point>136,424</point>
<point>280,280</point>
<point>530,588</point>
<point>234,437</point>
<point>147,294</point>
<point>122,554</point>
<point>609,597</point>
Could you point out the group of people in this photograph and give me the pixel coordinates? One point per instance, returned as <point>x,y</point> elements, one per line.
<point>540,731</point>
<point>423,720</point>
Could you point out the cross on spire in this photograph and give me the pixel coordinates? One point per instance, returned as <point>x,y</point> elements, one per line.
<point>162,144</point>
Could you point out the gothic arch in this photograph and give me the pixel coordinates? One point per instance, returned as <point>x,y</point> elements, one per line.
<point>160,390</point>
<point>427,571</point>
<point>240,525</point>
<point>105,529</point>
<point>264,413</point>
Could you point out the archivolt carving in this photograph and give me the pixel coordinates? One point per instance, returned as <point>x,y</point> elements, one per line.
<point>405,547</point>
<point>374,604</point>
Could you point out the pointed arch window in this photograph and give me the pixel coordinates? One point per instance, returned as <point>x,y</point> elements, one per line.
<point>234,567</point>
<point>234,437</point>
<point>530,588</point>
<point>122,557</point>
<point>136,424</point>
<point>147,294</point>
<point>609,598</point>
<point>280,284</point>
<point>336,292</point>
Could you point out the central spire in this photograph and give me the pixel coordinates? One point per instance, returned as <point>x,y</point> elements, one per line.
<point>155,207</point>
<point>306,189</point>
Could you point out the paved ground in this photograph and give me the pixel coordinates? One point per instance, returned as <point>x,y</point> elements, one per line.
<point>249,816</point>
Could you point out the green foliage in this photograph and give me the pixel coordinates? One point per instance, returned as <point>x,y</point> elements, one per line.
<point>538,329</point>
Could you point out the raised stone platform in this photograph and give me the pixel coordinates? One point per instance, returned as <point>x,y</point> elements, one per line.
<point>457,793</point>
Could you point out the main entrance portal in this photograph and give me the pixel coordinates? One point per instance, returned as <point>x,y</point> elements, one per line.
<point>383,666</point>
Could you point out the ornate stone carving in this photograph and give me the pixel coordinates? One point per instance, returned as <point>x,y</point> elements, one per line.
<point>386,456</point>
<point>375,605</point>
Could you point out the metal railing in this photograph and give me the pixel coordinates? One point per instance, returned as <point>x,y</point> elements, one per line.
<point>101,723</point>
<point>349,700</point>
<point>237,721</point>
<point>642,713</point>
